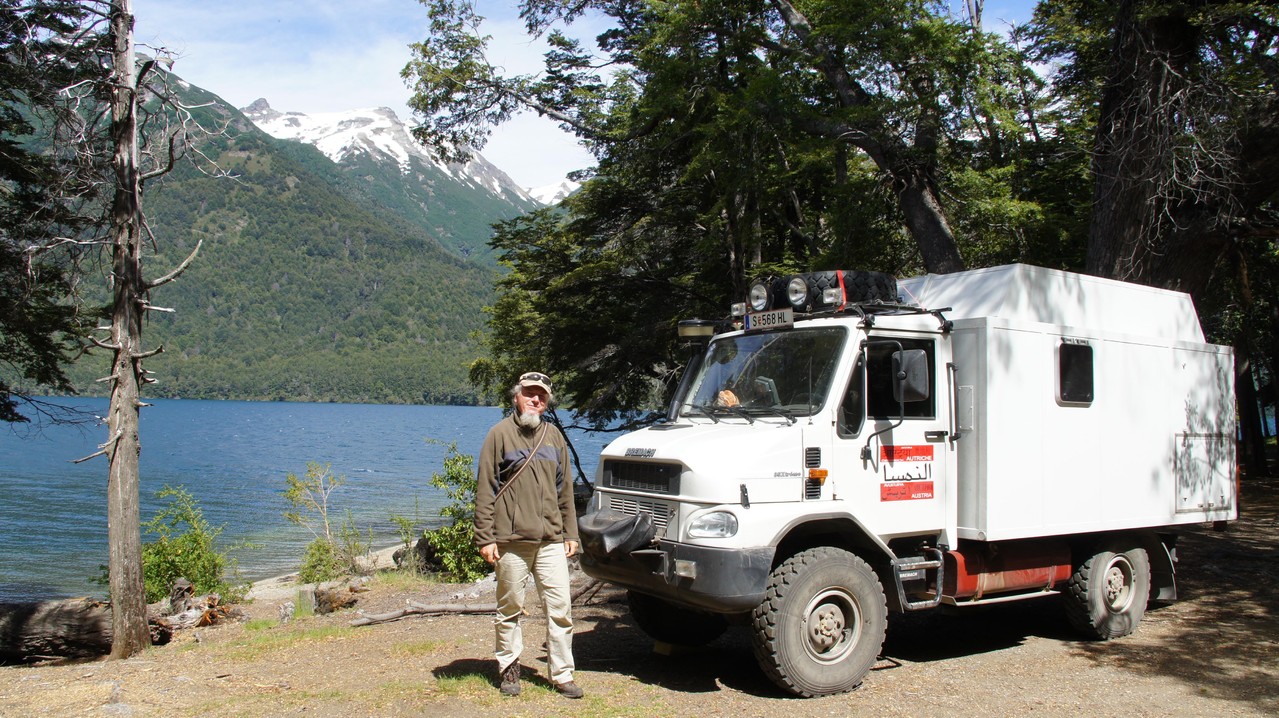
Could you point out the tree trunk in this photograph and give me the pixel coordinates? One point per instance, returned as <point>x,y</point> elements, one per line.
<point>1160,208</point>
<point>124,536</point>
<point>1250,417</point>
<point>912,179</point>
<point>927,223</point>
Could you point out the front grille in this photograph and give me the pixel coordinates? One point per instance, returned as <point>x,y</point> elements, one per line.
<point>661,511</point>
<point>650,477</point>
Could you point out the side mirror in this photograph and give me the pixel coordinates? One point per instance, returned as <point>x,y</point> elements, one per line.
<point>910,375</point>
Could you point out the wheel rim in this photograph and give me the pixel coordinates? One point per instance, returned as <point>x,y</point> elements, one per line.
<point>1117,586</point>
<point>832,625</point>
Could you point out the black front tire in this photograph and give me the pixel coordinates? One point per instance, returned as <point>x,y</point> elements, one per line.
<point>821,624</point>
<point>668,623</point>
<point>1106,596</point>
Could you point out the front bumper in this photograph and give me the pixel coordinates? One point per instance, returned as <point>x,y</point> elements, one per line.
<point>722,580</point>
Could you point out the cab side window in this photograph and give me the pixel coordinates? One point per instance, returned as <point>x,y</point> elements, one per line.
<point>880,402</point>
<point>852,409</point>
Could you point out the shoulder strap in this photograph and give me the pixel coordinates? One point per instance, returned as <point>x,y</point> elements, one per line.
<point>527,460</point>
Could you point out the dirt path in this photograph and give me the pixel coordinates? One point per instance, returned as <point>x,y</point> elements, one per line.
<point>1214,653</point>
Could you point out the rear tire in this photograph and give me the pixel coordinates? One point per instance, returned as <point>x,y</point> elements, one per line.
<point>821,624</point>
<point>666,622</point>
<point>1107,594</point>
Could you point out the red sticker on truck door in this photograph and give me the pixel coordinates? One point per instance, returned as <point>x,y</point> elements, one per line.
<point>907,472</point>
<point>892,453</point>
<point>906,491</point>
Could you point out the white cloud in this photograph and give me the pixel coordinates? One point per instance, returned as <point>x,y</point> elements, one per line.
<point>331,55</point>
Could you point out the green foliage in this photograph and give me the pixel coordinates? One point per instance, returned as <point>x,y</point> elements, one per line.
<point>332,553</point>
<point>185,546</point>
<point>319,562</point>
<point>47,193</point>
<point>409,528</point>
<point>454,542</point>
<point>309,497</point>
<point>742,138</point>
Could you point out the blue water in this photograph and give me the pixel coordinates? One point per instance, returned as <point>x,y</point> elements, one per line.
<point>233,457</point>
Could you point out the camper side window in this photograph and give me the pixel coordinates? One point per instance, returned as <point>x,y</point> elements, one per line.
<point>1074,372</point>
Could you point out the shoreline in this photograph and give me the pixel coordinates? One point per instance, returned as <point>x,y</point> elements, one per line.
<point>285,586</point>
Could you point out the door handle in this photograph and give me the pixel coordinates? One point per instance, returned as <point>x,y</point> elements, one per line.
<point>936,435</point>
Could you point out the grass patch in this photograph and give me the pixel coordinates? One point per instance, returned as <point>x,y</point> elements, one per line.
<point>463,685</point>
<point>263,643</point>
<point>419,648</point>
<point>259,624</point>
<point>403,579</point>
<point>395,692</point>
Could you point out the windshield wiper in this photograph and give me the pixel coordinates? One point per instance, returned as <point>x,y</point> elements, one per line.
<point>786,413</point>
<point>705,410</point>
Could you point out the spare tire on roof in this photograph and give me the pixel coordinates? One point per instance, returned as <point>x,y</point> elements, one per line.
<point>862,286</point>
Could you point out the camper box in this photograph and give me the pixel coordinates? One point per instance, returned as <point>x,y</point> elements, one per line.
<point>1082,404</point>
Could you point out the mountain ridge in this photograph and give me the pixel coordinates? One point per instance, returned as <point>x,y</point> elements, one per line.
<point>317,280</point>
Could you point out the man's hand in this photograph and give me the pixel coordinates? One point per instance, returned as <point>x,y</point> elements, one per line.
<point>570,549</point>
<point>489,552</point>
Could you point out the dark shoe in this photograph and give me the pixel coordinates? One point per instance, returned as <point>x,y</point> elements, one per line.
<point>568,689</point>
<point>511,680</point>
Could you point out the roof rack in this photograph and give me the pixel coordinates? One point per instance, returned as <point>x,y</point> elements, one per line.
<point>869,310</point>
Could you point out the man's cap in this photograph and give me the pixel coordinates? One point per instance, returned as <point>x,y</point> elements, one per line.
<point>536,378</point>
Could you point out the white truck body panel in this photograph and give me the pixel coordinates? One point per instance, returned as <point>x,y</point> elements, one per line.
<point>1155,447</point>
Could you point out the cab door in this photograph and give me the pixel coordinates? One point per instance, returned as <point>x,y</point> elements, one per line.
<point>893,455</point>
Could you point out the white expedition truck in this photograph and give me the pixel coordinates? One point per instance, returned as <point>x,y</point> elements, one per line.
<point>849,446</point>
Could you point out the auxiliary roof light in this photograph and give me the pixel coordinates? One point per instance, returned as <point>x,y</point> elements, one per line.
<point>797,291</point>
<point>696,328</point>
<point>760,296</point>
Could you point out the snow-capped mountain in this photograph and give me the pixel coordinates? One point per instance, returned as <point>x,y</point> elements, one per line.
<point>552,193</point>
<point>377,132</point>
<point>373,149</point>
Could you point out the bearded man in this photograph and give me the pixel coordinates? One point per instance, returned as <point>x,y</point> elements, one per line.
<point>526,524</point>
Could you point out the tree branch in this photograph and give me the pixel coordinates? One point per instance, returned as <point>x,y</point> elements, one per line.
<point>178,271</point>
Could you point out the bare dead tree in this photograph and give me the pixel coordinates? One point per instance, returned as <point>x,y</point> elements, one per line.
<point>116,134</point>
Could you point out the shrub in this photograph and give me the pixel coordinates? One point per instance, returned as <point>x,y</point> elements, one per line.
<point>319,563</point>
<point>190,553</point>
<point>454,543</point>
<point>331,554</point>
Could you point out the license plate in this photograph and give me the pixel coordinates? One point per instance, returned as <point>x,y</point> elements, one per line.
<point>776,319</point>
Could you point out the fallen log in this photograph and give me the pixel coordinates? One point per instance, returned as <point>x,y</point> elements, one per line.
<point>413,608</point>
<point>425,609</point>
<point>81,627</point>
<point>73,628</point>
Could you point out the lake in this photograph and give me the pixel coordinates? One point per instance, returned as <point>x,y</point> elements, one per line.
<point>233,457</point>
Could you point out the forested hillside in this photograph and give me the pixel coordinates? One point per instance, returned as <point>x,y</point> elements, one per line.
<point>306,287</point>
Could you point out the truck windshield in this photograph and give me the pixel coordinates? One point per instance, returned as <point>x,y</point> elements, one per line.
<point>785,373</point>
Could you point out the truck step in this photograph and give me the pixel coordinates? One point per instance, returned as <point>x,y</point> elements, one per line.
<point>919,568</point>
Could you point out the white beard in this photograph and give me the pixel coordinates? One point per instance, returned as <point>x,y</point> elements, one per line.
<point>528,421</point>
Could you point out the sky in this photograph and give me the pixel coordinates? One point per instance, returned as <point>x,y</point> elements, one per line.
<point>314,56</point>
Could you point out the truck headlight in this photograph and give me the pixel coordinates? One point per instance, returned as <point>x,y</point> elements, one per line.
<point>716,524</point>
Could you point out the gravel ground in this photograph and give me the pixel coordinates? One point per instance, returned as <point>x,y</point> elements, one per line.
<point>1214,653</point>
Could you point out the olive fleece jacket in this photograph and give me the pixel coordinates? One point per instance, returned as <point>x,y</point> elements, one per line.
<point>538,507</point>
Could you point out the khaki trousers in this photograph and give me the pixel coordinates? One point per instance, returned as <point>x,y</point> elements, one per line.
<point>548,566</point>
